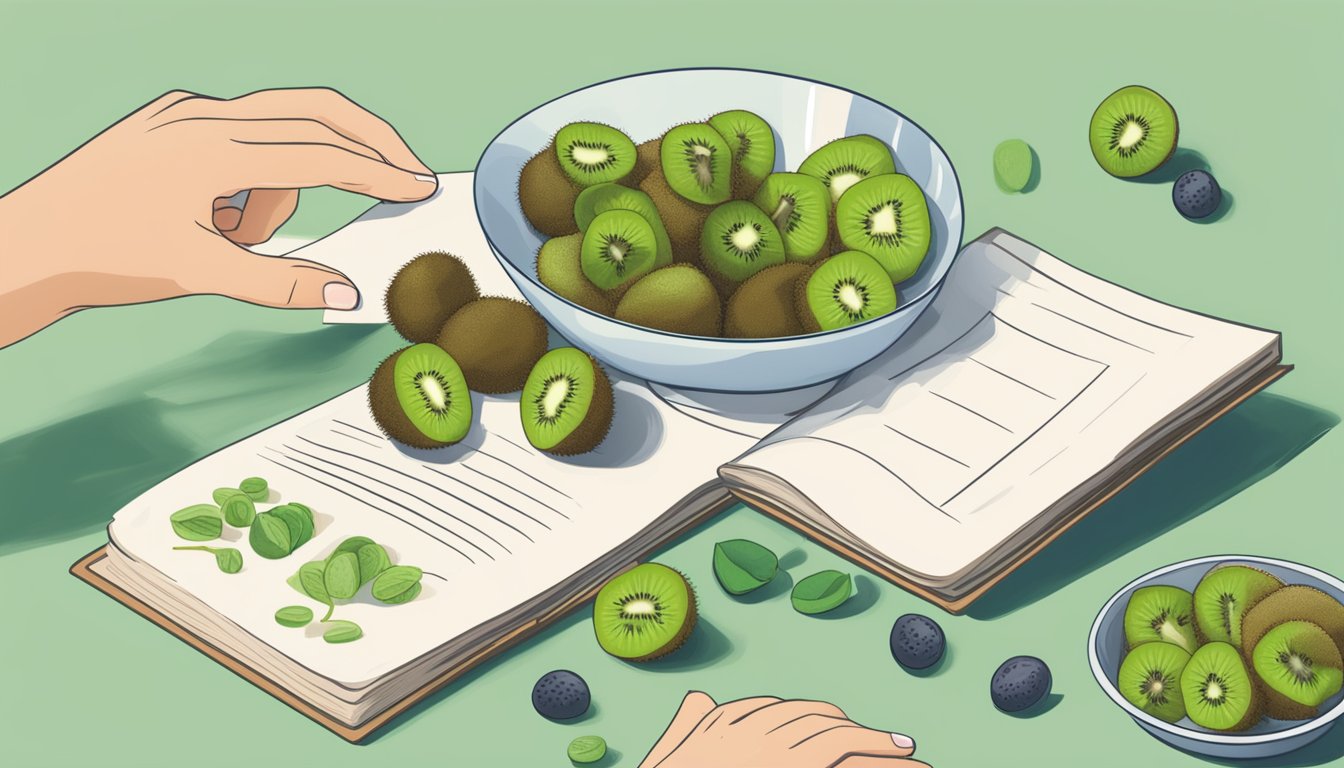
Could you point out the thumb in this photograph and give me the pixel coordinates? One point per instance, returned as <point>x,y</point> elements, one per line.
<point>227,269</point>
<point>693,709</point>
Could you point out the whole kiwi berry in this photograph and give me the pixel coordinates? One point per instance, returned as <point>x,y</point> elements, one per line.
<point>496,341</point>
<point>426,292</point>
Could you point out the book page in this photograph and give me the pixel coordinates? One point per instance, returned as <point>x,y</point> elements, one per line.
<point>1024,379</point>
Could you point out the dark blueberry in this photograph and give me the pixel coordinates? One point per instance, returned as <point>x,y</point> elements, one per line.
<point>1196,194</point>
<point>917,642</point>
<point>560,695</point>
<point>1019,683</point>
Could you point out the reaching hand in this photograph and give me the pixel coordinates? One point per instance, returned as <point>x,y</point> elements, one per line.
<point>142,211</point>
<point>766,732</point>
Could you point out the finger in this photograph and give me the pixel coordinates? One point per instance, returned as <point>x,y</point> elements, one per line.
<point>264,165</point>
<point>693,709</point>
<point>284,132</point>
<point>733,711</point>
<point>226,218</point>
<point>775,716</point>
<point>157,106</point>
<point>266,210</point>
<point>223,268</point>
<point>831,743</point>
<point>881,762</point>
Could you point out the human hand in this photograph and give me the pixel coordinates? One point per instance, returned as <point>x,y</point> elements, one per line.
<point>766,732</point>
<point>141,212</point>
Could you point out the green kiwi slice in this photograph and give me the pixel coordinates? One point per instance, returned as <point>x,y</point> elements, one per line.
<point>1295,601</point>
<point>1160,613</point>
<point>618,248</point>
<point>645,613</point>
<point>591,153</point>
<point>739,240</point>
<point>496,341</point>
<point>418,396</point>
<point>1133,132</point>
<point>1150,679</point>
<point>753,147</point>
<point>800,208</point>
<point>677,299</point>
<point>1218,690</point>
<point>558,269</point>
<point>1300,662</point>
<point>1224,596</point>
<point>697,163</point>
<point>566,404</point>
<point>846,289</point>
<point>886,217</point>
<point>845,162</point>
<point>426,292</point>
<point>610,196</point>
<point>763,306</point>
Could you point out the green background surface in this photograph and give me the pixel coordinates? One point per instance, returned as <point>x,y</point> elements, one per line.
<point>105,404</point>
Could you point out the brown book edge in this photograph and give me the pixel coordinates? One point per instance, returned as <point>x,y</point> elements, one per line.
<point>1237,397</point>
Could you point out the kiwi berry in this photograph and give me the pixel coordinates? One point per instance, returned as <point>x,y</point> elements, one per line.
<point>1133,132</point>
<point>1218,689</point>
<point>763,306</point>
<point>1295,601</point>
<point>426,292</point>
<point>558,269</point>
<point>738,240</point>
<point>1224,596</point>
<point>697,163</point>
<point>496,341</point>
<point>1160,613</point>
<point>886,217</point>
<point>647,158</point>
<point>677,299</point>
<point>547,195</point>
<point>601,198</point>
<point>566,404</point>
<point>1150,679</point>
<point>618,248</point>
<point>419,397</point>
<point>581,155</point>
<point>682,218</point>
<point>1300,666</point>
<point>800,208</point>
<point>753,146</point>
<point>845,289</point>
<point>645,613</point>
<point>845,162</point>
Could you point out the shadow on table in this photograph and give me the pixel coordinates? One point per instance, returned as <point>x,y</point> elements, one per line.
<point>1233,453</point>
<point>68,478</point>
<point>1327,750</point>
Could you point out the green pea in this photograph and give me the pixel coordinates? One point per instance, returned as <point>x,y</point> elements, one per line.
<point>255,487</point>
<point>199,522</point>
<point>294,616</point>
<point>587,749</point>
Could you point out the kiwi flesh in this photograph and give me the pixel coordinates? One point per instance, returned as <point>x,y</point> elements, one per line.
<point>426,292</point>
<point>1133,132</point>
<point>1160,613</point>
<point>800,208</point>
<point>677,299</point>
<point>546,194</point>
<point>1224,596</point>
<point>591,153</point>
<point>496,341</point>
<point>1295,601</point>
<point>887,218</point>
<point>1218,689</point>
<point>697,163</point>
<point>618,248</point>
<point>558,269</point>
<point>738,240</point>
<point>645,613</point>
<point>1150,679</point>
<point>845,289</point>
<point>753,146</point>
<point>845,162</point>
<point>419,397</point>
<point>763,306</point>
<point>610,196</point>
<point>682,218</point>
<point>566,403</point>
<point>1300,666</point>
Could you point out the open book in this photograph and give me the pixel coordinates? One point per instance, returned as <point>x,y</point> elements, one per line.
<point>1026,394</point>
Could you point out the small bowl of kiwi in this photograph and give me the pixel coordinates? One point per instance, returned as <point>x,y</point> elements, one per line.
<point>722,229</point>
<point>1231,656</point>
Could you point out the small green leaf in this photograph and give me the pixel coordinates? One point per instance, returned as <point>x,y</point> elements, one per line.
<point>294,616</point>
<point>1013,165</point>
<point>587,749</point>
<point>199,522</point>
<point>220,495</point>
<point>300,525</point>
<point>269,536</point>
<point>404,597</point>
<point>351,544</point>
<point>229,559</point>
<point>255,487</point>
<point>822,592</point>
<point>391,585</point>
<point>342,575</point>
<point>742,566</point>
<point>373,560</point>
<point>342,632</point>
<point>239,510</point>
<point>312,581</point>
<point>307,511</point>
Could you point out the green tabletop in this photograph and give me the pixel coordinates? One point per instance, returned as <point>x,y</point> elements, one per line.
<point>103,405</point>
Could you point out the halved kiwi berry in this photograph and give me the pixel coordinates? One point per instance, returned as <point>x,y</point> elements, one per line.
<point>426,292</point>
<point>887,218</point>
<point>618,247</point>
<point>1224,596</point>
<point>846,289</point>
<point>738,240</point>
<point>800,208</point>
<point>1150,679</point>
<point>697,163</point>
<point>1295,602</point>
<point>609,196</point>
<point>1218,689</point>
<point>753,146</point>
<point>419,397</point>
<point>566,404</point>
<point>1133,132</point>
<point>581,155</point>
<point>845,162</point>
<point>496,341</point>
<point>558,269</point>
<point>1299,662</point>
<point>1160,613</point>
<point>763,306</point>
<point>677,299</point>
<point>645,613</point>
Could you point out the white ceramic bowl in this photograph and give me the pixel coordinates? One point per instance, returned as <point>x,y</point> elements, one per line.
<point>805,115</point>
<point>1106,649</point>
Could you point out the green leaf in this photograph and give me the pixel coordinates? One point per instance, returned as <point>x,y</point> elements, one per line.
<point>229,559</point>
<point>255,487</point>
<point>239,510</point>
<point>742,566</point>
<point>822,592</point>
<point>300,525</point>
<point>587,749</point>
<point>294,616</point>
<point>269,536</point>
<point>220,495</point>
<point>373,560</point>
<point>312,581</point>
<point>199,522</point>
<point>307,511</point>
<point>404,597</point>
<point>351,544</point>
<point>342,575</point>
<point>342,632</point>
<point>392,584</point>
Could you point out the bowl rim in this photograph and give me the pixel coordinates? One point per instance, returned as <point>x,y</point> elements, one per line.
<point>1323,720</point>
<point>912,303</point>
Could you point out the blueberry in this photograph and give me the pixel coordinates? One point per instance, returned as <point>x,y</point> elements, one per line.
<point>917,642</point>
<point>1019,683</point>
<point>1196,194</point>
<point>561,695</point>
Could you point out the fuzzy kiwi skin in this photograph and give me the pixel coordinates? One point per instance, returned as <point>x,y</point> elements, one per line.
<point>593,430</point>
<point>387,411</point>
<point>765,305</point>
<point>805,316</point>
<point>682,218</point>
<point>1295,601</point>
<point>547,194</point>
<point>677,299</point>
<point>558,269</point>
<point>648,156</point>
<point>425,292</point>
<point>495,342</point>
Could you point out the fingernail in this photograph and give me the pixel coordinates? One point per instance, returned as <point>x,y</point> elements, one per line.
<point>902,741</point>
<point>340,296</point>
<point>427,179</point>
